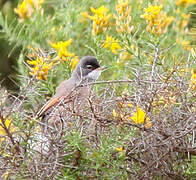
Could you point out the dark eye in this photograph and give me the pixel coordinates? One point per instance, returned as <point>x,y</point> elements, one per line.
<point>89,66</point>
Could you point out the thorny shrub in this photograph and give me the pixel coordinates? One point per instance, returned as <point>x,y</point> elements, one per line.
<point>104,140</point>
<point>138,124</point>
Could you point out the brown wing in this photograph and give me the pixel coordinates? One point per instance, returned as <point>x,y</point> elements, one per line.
<point>53,101</point>
<point>62,91</point>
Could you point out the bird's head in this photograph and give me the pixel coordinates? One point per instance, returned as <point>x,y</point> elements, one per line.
<point>88,68</point>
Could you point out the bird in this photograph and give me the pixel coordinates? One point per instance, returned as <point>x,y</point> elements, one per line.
<point>71,95</point>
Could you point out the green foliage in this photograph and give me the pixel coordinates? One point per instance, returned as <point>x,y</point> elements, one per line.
<point>138,49</point>
<point>104,160</point>
<point>60,20</point>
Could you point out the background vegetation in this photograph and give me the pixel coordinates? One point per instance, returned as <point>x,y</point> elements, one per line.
<point>146,126</point>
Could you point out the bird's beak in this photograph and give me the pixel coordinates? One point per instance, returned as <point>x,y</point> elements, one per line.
<point>102,68</point>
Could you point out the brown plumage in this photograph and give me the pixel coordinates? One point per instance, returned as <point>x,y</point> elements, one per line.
<point>70,96</point>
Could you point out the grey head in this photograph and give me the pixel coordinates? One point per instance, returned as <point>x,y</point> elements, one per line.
<point>87,69</point>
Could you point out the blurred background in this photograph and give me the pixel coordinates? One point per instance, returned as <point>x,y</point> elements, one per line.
<point>11,47</point>
<point>8,58</point>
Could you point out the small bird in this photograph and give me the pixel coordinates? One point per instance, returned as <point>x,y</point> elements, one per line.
<point>70,94</point>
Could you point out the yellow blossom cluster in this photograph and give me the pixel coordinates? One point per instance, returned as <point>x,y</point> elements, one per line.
<point>123,17</point>
<point>112,44</point>
<point>185,3</point>
<point>127,54</point>
<point>27,7</point>
<point>124,56</point>
<point>184,21</point>
<point>138,116</point>
<point>100,19</point>
<point>157,20</point>
<point>64,54</point>
<point>5,124</point>
<point>61,47</point>
<point>40,67</point>
<point>74,61</point>
<point>185,44</point>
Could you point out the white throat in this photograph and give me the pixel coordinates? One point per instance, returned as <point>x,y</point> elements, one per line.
<point>94,74</point>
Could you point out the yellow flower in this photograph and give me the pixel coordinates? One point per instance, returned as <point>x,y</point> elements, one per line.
<point>126,104</point>
<point>112,44</point>
<point>114,113</point>
<point>148,124</point>
<point>118,114</point>
<point>193,79</point>
<point>123,17</point>
<point>6,124</point>
<point>40,67</point>
<point>61,47</point>
<point>184,43</point>
<point>157,20</point>
<point>36,3</point>
<point>121,110</point>
<point>123,7</point>
<point>119,149</point>
<point>27,7</point>
<point>152,12</point>
<point>185,2</point>
<point>125,56</point>
<point>100,11</point>
<point>85,14</point>
<point>100,19</point>
<point>24,10</point>
<point>139,117</point>
<point>184,20</point>
<point>74,61</point>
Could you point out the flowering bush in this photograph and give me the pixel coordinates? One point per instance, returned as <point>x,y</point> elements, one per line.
<point>142,124</point>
